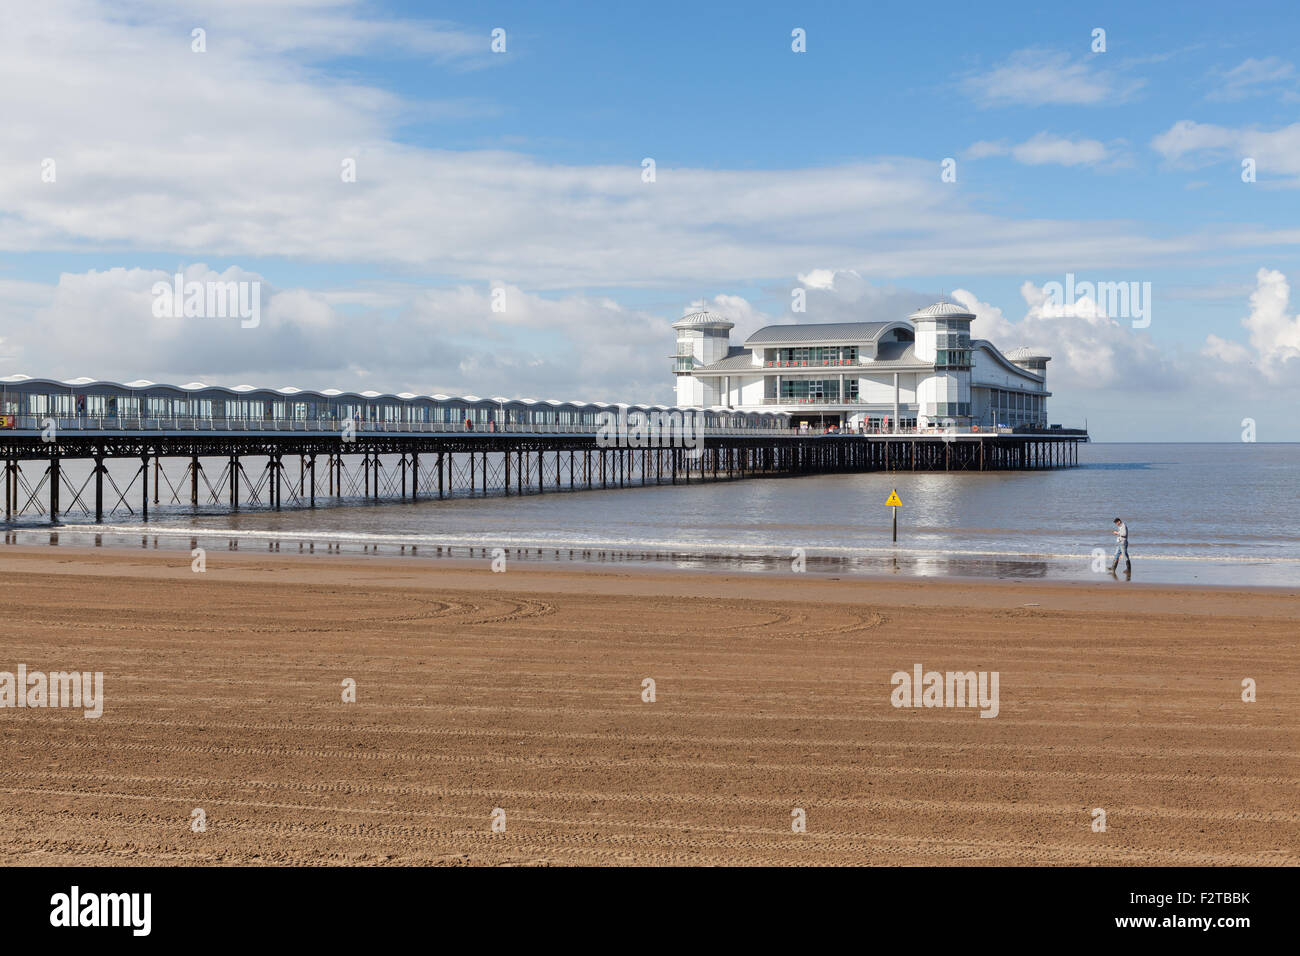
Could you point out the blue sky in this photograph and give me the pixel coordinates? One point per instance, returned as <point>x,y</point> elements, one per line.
<point>775,169</point>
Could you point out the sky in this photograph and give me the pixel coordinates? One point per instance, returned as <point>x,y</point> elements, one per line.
<point>424,213</point>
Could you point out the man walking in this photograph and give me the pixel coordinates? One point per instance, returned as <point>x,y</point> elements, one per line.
<point>1121,546</point>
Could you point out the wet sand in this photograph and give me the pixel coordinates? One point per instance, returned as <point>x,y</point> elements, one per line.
<point>523,691</point>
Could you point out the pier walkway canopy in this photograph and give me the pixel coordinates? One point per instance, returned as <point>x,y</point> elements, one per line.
<point>85,404</point>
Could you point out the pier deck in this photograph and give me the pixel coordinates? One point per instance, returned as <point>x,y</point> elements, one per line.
<point>67,469</point>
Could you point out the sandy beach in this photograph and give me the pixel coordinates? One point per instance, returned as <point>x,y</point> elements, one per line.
<point>523,692</point>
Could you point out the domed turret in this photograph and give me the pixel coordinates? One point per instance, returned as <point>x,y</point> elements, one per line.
<point>702,339</point>
<point>704,320</point>
<point>941,310</point>
<point>943,338</point>
<point>1033,360</point>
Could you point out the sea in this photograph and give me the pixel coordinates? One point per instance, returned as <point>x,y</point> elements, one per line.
<point>1210,514</point>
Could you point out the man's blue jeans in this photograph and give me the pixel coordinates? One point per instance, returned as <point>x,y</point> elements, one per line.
<point>1121,547</point>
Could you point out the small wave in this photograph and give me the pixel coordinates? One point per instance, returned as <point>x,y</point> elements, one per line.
<point>576,543</point>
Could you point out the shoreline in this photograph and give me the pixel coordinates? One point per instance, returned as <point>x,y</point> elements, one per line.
<point>863,564</point>
<point>644,578</point>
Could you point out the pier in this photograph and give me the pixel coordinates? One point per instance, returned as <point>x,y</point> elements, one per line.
<point>83,468</point>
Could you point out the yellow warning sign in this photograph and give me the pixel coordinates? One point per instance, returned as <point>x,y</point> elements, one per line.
<point>893,499</point>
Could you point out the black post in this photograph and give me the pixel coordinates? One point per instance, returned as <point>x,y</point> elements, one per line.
<point>99,488</point>
<point>54,487</point>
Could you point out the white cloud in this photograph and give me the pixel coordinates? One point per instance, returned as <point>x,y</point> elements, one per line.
<point>1042,77</point>
<point>237,153</point>
<point>1255,77</point>
<point>818,278</point>
<point>1276,152</point>
<point>1274,334</point>
<point>989,322</point>
<point>1044,148</point>
<point>1089,349</point>
<point>444,339</point>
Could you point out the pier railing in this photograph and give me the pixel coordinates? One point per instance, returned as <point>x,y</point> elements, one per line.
<point>179,425</point>
<point>331,426</point>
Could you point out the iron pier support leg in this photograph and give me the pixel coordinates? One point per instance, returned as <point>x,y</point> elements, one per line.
<point>311,465</point>
<point>9,489</point>
<point>440,474</point>
<point>54,488</point>
<point>194,480</point>
<point>157,466</point>
<point>99,488</point>
<point>144,486</point>
<point>415,475</point>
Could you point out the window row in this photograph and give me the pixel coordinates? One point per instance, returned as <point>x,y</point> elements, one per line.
<point>223,408</point>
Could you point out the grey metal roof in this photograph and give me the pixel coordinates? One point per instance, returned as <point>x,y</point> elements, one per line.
<point>994,351</point>
<point>1025,354</point>
<point>704,320</point>
<point>941,310</point>
<point>896,354</point>
<point>736,361</point>
<point>830,333</point>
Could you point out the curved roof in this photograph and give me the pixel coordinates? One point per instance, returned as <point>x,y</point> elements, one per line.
<point>334,393</point>
<point>823,333</point>
<point>703,320</point>
<point>993,350</point>
<point>1024,354</point>
<point>942,310</point>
